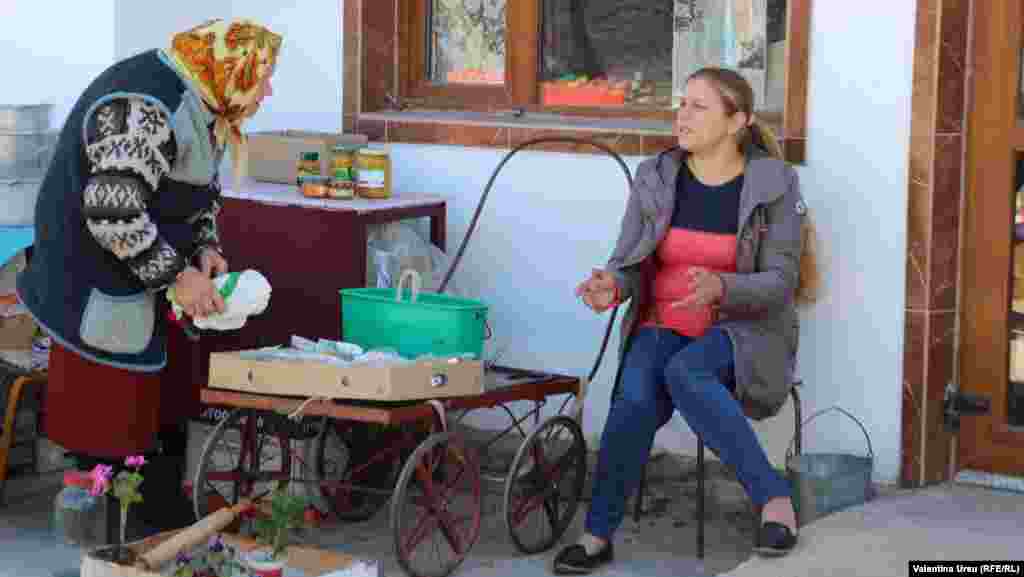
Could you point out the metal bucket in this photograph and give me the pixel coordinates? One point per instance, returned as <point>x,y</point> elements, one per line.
<point>25,155</point>
<point>25,117</point>
<point>18,202</point>
<point>824,483</point>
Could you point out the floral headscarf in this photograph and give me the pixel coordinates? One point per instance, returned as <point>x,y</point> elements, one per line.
<point>227,62</point>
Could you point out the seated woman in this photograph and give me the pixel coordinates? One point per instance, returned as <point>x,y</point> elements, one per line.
<point>709,254</point>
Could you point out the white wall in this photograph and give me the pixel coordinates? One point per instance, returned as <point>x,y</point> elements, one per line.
<point>855,183</point>
<point>307,83</point>
<point>52,59</point>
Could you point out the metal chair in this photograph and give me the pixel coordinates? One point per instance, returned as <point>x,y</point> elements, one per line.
<point>798,436</point>
<point>16,382</point>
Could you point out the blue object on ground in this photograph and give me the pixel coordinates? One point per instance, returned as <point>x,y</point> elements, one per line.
<point>13,239</point>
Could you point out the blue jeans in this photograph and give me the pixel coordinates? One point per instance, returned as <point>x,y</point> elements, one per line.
<point>664,371</point>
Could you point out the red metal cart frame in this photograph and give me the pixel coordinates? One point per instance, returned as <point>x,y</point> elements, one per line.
<point>408,454</point>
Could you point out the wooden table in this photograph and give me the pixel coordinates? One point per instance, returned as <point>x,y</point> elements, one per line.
<point>308,249</point>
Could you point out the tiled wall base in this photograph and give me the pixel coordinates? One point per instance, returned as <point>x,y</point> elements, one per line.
<point>991,480</point>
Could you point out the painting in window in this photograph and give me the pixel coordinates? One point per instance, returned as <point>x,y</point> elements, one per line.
<point>467,42</point>
<point>639,52</point>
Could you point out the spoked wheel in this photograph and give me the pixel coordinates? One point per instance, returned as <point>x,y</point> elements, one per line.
<point>242,457</point>
<point>544,484</point>
<point>357,465</point>
<point>435,512</point>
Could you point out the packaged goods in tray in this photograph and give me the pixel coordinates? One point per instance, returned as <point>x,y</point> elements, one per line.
<point>337,370</point>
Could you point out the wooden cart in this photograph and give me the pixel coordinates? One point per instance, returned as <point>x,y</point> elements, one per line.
<point>407,453</point>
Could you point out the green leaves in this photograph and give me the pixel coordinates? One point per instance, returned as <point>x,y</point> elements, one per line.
<point>126,488</point>
<point>286,513</point>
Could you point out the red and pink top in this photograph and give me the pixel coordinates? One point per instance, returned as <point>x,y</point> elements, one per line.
<point>703,234</point>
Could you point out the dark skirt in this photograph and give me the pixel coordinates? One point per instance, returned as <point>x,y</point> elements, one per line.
<point>103,411</point>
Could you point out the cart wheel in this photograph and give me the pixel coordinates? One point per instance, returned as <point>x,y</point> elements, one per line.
<point>357,465</point>
<point>436,507</point>
<point>239,459</point>
<point>544,484</point>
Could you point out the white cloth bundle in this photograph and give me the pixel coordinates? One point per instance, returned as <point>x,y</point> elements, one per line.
<point>245,293</point>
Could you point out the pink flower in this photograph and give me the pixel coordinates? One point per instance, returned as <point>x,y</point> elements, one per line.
<point>100,476</point>
<point>135,461</point>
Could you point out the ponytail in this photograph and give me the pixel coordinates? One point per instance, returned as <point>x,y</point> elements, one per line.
<point>763,137</point>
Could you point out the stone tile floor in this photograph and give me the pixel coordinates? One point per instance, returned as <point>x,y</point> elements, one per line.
<point>661,544</point>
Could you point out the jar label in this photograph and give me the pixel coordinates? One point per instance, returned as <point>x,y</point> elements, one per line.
<point>371,178</point>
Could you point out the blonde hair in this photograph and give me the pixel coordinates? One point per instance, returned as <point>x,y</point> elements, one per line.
<point>738,96</point>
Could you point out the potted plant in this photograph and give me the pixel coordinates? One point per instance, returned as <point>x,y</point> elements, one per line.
<point>217,559</point>
<point>273,531</point>
<point>125,487</point>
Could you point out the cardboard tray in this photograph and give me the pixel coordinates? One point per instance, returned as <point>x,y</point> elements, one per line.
<point>274,155</point>
<point>416,381</point>
<point>310,560</point>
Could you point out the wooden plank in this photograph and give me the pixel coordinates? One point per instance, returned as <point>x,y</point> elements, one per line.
<point>1017,138</point>
<point>522,44</point>
<point>985,442</point>
<point>798,35</point>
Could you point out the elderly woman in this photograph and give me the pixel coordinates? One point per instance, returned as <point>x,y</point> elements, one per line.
<point>710,256</point>
<point>128,210</point>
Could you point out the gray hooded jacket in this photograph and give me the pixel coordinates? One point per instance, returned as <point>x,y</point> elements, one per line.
<point>758,310</point>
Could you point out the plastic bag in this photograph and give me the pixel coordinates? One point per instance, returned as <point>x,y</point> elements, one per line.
<point>397,246</point>
<point>246,293</point>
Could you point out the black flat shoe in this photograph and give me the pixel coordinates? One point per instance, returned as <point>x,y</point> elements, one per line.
<point>573,560</point>
<point>774,539</point>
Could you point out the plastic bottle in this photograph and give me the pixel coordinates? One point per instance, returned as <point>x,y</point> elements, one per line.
<point>79,518</point>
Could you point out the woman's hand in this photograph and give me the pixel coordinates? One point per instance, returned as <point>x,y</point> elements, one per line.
<point>196,293</point>
<point>212,263</point>
<point>598,291</point>
<point>705,288</point>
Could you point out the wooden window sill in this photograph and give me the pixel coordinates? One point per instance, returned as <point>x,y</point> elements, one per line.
<point>626,136</point>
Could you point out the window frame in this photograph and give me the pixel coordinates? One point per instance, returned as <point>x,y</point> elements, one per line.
<point>382,40</point>
<point>521,57</point>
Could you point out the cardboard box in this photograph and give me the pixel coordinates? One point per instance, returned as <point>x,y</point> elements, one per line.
<point>17,332</point>
<point>9,272</point>
<point>414,381</point>
<point>274,155</point>
<point>312,561</point>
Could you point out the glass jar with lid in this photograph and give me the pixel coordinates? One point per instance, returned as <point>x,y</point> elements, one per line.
<point>308,165</point>
<point>373,169</point>
<point>343,173</point>
<point>79,518</point>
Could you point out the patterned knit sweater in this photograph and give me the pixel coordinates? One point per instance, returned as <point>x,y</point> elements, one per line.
<point>130,147</point>
<point>130,198</point>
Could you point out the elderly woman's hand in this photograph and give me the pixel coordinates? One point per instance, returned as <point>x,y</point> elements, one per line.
<point>212,263</point>
<point>196,293</point>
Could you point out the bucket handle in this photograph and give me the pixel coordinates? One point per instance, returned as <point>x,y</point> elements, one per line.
<point>871,452</point>
<point>414,280</point>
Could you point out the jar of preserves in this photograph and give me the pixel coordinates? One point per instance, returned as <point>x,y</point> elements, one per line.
<point>314,186</point>
<point>373,170</point>
<point>343,175</point>
<point>309,165</point>
<point>79,518</point>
